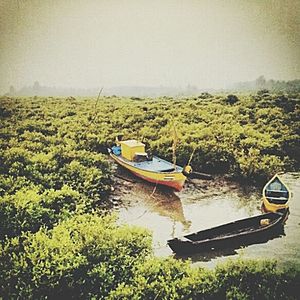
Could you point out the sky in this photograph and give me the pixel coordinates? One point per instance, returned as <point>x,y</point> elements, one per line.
<point>206,43</point>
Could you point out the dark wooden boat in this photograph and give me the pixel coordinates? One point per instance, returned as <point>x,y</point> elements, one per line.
<point>245,231</point>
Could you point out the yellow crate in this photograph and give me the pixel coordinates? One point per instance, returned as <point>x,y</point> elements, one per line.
<point>130,147</point>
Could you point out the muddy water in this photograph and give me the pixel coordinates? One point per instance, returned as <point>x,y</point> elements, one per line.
<point>204,204</point>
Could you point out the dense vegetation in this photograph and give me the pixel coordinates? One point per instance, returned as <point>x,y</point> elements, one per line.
<point>246,136</point>
<point>90,257</point>
<point>55,177</point>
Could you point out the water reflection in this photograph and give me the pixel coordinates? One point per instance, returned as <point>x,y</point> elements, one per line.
<point>158,199</point>
<point>204,204</point>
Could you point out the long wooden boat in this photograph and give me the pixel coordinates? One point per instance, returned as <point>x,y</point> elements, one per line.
<point>275,195</point>
<point>131,155</point>
<point>242,232</point>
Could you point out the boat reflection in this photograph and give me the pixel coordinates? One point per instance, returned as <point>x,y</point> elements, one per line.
<point>159,199</point>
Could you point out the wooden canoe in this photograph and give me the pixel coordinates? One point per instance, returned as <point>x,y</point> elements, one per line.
<point>275,195</point>
<point>156,170</point>
<point>242,232</point>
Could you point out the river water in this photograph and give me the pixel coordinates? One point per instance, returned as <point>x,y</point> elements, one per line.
<point>203,204</point>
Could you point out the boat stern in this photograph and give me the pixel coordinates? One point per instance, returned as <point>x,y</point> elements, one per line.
<point>272,207</point>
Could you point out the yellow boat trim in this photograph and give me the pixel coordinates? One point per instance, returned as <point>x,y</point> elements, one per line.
<point>272,207</point>
<point>177,178</point>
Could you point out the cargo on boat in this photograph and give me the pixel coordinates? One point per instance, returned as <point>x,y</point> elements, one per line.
<point>131,155</point>
<point>275,195</point>
<point>251,230</point>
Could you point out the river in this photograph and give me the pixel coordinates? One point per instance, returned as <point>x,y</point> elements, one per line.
<point>203,204</point>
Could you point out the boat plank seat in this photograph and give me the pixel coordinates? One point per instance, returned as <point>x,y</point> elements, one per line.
<point>278,198</point>
<point>276,191</point>
<point>272,192</point>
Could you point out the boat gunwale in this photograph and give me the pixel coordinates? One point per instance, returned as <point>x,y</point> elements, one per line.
<point>280,217</point>
<point>283,183</point>
<point>244,233</point>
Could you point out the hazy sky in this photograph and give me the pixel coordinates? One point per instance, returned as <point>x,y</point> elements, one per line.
<point>208,43</point>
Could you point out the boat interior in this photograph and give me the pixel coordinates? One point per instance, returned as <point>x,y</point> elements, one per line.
<point>156,165</point>
<point>146,162</point>
<point>276,192</point>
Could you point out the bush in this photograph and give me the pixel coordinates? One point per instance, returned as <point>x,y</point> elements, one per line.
<point>29,209</point>
<point>168,279</point>
<point>82,257</point>
<point>250,279</point>
<point>231,99</point>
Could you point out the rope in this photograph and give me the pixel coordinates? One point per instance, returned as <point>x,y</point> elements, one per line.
<point>154,190</point>
<point>147,210</point>
<point>140,215</point>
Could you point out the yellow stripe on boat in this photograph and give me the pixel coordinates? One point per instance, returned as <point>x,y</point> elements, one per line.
<point>173,179</point>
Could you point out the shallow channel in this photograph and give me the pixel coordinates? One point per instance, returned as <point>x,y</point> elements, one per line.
<point>203,204</point>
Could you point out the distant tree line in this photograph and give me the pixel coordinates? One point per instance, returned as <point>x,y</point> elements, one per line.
<point>39,90</point>
<point>274,86</point>
<point>292,86</point>
<point>135,91</point>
